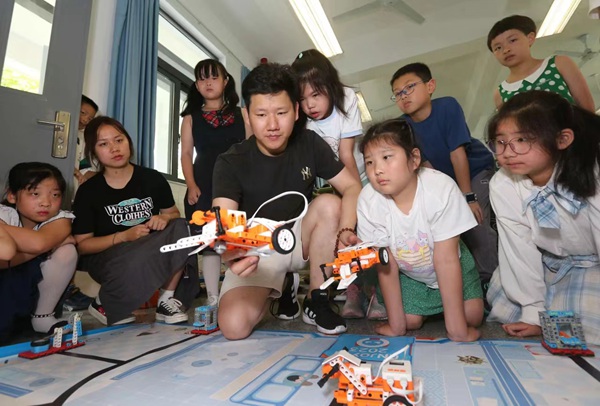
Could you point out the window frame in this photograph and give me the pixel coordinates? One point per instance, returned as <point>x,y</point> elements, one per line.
<point>181,83</point>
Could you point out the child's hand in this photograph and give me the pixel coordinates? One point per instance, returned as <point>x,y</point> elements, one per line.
<point>193,194</point>
<point>386,330</point>
<point>134,233</point>
<point>521,329</point>
<point>477,212</point>
<point>472,335</point>
<point>158,222</point>
<point>347,238</point>
<point>239,264</point>
<point>87,176</point>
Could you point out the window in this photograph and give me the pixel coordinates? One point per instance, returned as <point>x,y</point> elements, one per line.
<point>27,48</point>
<point>178,54</point>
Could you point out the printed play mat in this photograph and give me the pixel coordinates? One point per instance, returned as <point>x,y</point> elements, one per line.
<point>166,365</point>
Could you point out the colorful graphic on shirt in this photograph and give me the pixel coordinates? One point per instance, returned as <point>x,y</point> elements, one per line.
<point>414,253</point>
<point>130,212</point>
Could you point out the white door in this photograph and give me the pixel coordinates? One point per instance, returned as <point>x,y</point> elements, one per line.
<point>42,60</point>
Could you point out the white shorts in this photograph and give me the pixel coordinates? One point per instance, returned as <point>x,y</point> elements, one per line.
<point>271,270</point>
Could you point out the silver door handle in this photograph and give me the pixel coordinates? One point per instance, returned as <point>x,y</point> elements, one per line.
<point>61,126</point>
<point>60,137</point>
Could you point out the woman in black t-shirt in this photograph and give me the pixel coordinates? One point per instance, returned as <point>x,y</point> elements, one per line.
<point>123,217</point>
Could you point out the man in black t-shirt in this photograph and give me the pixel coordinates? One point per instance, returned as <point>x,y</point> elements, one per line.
<point>280,157</point>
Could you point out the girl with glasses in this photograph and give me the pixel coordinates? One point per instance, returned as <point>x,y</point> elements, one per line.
<point>547,202</point>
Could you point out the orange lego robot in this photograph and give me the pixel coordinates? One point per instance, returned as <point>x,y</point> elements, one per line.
<point>351,260</point>
<point>228,230</point>
<point>393,384</point>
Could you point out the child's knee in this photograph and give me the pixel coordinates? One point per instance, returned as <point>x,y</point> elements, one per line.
<point>65,256</point>
<point>414,322</point>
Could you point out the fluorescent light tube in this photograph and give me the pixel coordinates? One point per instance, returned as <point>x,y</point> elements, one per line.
<point>365,115</point>
<point>558,16</point>
<point>315,23</point>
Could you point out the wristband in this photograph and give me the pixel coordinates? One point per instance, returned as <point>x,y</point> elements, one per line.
<point>471,197</point>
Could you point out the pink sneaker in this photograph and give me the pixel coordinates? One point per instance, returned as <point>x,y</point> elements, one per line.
<point>376,310</point>
<point>353,308</point>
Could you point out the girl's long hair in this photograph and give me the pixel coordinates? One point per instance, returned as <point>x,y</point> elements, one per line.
<point>313,68</point>
<point>542,116</point>
<point>205,69</point>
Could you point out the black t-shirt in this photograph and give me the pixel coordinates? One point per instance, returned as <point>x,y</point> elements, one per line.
<point>102,210</point>
<point>247,176</point>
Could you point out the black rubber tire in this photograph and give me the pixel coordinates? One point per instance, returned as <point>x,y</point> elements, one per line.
<point>396,399</point>
<point>283,240</point>
<point>384,256</point>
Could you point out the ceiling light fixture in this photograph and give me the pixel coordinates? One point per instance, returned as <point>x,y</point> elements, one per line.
<point>315,23</point>
<point>365,114</point>
<point>558,16</point>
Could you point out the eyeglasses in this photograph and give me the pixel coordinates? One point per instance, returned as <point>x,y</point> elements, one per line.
<point>519,145</point>
<point>408,89</point>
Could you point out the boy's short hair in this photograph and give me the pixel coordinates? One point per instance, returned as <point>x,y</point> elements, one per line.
<point>418,68</point>
<point>270,78</point>
<point>514,22</point>
<point>87,100</point>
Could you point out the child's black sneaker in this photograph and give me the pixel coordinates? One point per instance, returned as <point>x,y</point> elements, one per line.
<point>170,311</point>
<point>318,312</point>
<point>76,300</point>
<point>287,307</point>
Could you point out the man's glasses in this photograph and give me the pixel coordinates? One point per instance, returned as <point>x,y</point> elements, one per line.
<point>519,145</point>
<point>408,89</point>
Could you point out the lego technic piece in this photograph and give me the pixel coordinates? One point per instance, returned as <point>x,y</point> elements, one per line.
<point>228,230</point>
<point>41,347</point>
<point>562,333</point>
<point>393,383</point>
<point>205,320</point>
<point>351,260</point>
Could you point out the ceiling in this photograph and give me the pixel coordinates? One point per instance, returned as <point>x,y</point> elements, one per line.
<point>452,41</point>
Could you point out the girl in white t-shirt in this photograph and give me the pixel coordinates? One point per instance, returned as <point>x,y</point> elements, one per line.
<point>419,214</point>
<point>34,278</point>
<point>331,110</point>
